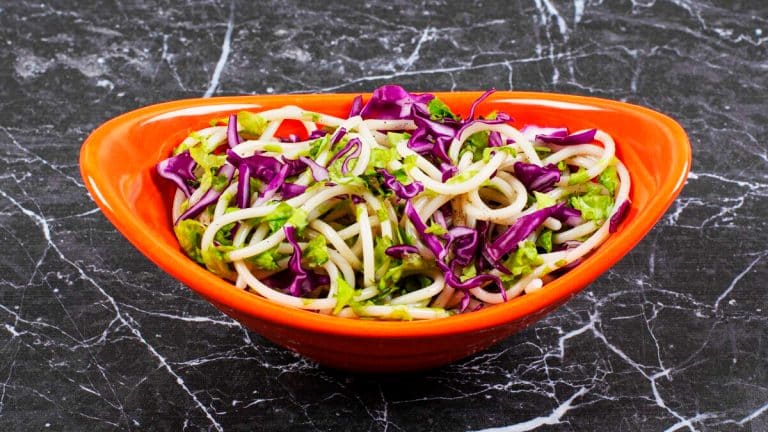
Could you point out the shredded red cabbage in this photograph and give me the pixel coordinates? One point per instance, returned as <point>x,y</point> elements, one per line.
<point>520,230</point>
<point>391,102</point>
<point>290,190</point>
<point>437,249</point>
<point>619,216</point>
<point>537,178</point>
<point>562,137</point>
<point>298,285</point>
<point>233,138</point>
<point>494,139</point>
<point>478,101</point>
<point>274,185</point>
<point>357,106</point>
<point>319,172</point>
<point>399,251</point>
<point>317,133</point>
<point>464,241</point>
<point>180,170</point>
<point>402,191</point>
<point>211,195</point>
<point>354,142</point>
<point>243,196</point>
<point>355,154</point>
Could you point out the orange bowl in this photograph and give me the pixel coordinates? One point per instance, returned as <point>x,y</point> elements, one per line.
<point>118,159</point>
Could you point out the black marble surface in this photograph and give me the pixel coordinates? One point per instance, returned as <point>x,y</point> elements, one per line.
<point>94,337</point>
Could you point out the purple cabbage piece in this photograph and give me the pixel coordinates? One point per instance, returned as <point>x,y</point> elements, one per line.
<point>432,136</point>
<point>537,178</point>
<point>391,102</point>
<point>276,183</point>
<point>483,237</point>
<point>464,301</point>
<point>262,167</point>
<point>473,282</point>
<point>297,287</point>
<point>292,138</point>
<point>279,281</point>
<point>317,133</point>
<point>338,135</point>
<point>619,216</point>
<point>295,166</point>
<point>494,139</point>
<point>290,190</point>
<point>354,155</point>
<point>478,101</point>
<point>233,138</point>
<point>432,242</point>
<point>517,232</point>
<point>354,142</point>
<point>503,116</point>
<point>243,196</point>
<point>531,131</point>
<point>448,171</point>
<point>319,172</point>
<point>464,241</point>
<point>356,199</point>
<point>584,137</point>
<point>399,251</point>
<point>437,249</point>
<point>180,170</point>
<point>570,265</point>
<point>357,106</point>
<point>568,215</point>
<point>402,191</point>
<point>210,196</point>
<point>419,141</point>
<point>439,219</point>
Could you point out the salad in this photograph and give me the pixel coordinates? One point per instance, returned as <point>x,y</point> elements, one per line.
<point>402,210</point>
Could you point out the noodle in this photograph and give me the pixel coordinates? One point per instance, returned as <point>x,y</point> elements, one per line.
<point>401,211</point>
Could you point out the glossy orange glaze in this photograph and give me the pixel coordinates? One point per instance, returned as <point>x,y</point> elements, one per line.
<point>118,160</point>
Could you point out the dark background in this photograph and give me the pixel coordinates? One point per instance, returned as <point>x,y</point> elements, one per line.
<point>95,337</point>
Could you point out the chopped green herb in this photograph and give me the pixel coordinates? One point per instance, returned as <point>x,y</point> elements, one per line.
<point>580,176</point>
<point>274,148</point>
<point>436,229</point>
<point>381,158</point>
<point>409,162</point>
<point>543,200</point>
<point>476,144</point>
<point>466,175</point>
<point>610,179</point>
<point>394,138</point>
<point>267,260</point>
<point>344,295</point>
<point>278,217</point>
<point>524,260</point>
<point>253,124</point>
<point>593,205</point>
<point>189,232</point>
<point>316,252</point>
<point>544,240</point>
<point>438,110</point>
<point>215,261</point>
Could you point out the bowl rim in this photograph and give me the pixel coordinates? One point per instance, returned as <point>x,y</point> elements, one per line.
<point>227,296</point>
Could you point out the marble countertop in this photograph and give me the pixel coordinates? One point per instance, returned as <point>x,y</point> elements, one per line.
<point>95,337</point>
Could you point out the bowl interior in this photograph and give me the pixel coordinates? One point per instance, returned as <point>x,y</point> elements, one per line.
<point>118,160</point>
